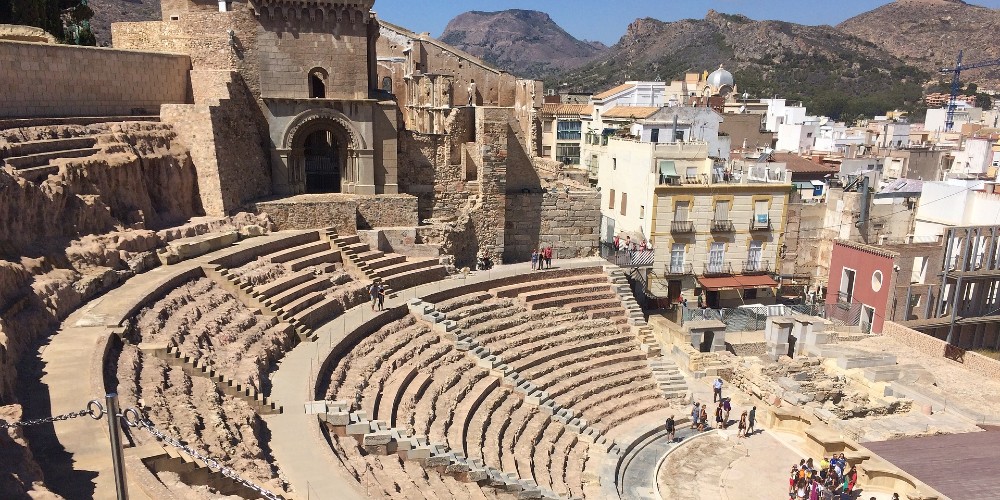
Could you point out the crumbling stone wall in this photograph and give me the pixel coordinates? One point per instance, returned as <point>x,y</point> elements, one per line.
<point>43,80</point>
<point>345,213</point>
<point>227,139</point>
<point>563,217</point>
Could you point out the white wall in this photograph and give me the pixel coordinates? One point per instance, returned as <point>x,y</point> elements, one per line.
<point>796,138</point>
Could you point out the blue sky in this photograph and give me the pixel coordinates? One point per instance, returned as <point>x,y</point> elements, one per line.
<point>606,20</point>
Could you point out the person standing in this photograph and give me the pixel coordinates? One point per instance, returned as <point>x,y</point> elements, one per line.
<point>751,418</point>
<point>741,430</point>
<point>382,289</point>
<point>717,390</point>
<point>670,428</point>
<point>726,408</point>
<point>548,257</point>
<point>534,259</point>
<point>373,293</point>
<point>472,93</point>
<point>695,414</point>
<point>703,418</point>
<point>718,417</point>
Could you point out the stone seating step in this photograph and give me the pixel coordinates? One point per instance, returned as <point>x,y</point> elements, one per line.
<point>343,241</point>
<point>298,252</point>
<point>316,284</point>
<point>369,255</point>
<point>41,159</point>
<point>293,308</point>
<point>607,297</point>
<point>326,257</point>
<point>416,277</point>
<point>355,248</point>
<point>550,355</point>
<point>541,284</point>
<point>281,285</point>
<point>392,394</point>
<point>465,411</point>
<point>592,304</point>
<point>607,313</point>
<point>29,148</point>
<point>402,267</point>
<point>322,311</point>
<point>559,291</point>
<point>38,174</point>
<point>384,261</point>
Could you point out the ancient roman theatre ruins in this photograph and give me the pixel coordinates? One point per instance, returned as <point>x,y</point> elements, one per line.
<point>192,218</point>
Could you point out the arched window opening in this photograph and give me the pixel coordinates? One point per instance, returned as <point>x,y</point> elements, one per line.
<point>317,83</point>
<point>387,84</point>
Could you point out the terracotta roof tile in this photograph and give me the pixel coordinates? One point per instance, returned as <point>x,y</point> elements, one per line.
<point>558,109</point>
<point>635,112</point>
<point>609,93</point>
<point>800,165</point>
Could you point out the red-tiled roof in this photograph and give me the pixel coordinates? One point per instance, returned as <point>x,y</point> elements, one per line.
<point>611,92</point>
<point>799,165</point>
<point>634,112</point>
<point>560,109</point>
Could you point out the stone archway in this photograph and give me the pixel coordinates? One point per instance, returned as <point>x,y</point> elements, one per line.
<point>323,152</point>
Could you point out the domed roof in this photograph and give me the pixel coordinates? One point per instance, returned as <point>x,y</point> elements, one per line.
<point>720,78</point>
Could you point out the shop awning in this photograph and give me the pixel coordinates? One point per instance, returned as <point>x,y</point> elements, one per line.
<point>668,169</point>
<point>739,282</point>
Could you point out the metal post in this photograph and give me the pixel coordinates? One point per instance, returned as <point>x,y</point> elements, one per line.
<point>117,458</point>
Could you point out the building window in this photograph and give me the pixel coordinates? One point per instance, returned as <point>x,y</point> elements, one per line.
<point>546,151</point>
<point>722,210</point>
<point>877,278</point>
<point>750,294</point>
<point>611,200</point>
<point>761,218</point>
<point>654,136</point>
<point>624,202</point>
<point>387,84</point>
<point>614,164</point>
<point>317,83</point>
<point>716,258</point>
<point>548,127</point>
<point>846,294</point>
<point>754,256</point>
<point>642,211</point>
<point>679,136</point>
<point>568,130</point>
<point>677,259</point>
<point>682,211</point>
<point>568,153</point>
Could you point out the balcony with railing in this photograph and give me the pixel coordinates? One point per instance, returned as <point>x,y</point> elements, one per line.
<point>760,222</point>
<point>675,269</point>
<point>682,227</point>
<point>718,269</point>
<point>722,226</point>
<point>756,267</point>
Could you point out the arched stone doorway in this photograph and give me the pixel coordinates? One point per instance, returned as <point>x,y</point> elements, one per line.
<point>324,156</point>
<point>323,151</point>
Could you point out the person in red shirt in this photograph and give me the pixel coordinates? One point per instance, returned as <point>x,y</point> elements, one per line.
<point>548,257</point>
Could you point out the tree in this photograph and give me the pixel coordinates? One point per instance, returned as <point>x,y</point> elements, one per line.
<point>972,89</point>
<point>68,20</point>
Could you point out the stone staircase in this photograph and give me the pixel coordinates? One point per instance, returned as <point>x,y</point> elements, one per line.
<point>667,374</point>
<point>509,377</point>
<point>256,300</point>
<point>158,458</point>
<point>395,271</point>
<point>376,437</point>
<point>172,355</point>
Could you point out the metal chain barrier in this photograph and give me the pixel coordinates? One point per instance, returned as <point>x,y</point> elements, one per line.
<point>94,410</point>
<point>135,419</point>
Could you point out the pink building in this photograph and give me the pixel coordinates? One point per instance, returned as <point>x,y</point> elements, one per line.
<point>861,282</point>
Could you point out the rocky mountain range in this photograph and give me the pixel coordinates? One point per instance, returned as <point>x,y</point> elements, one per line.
<point>524,42</point>
<point>929,33</point>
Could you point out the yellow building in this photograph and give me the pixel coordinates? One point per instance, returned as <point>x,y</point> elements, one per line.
<point>719,234</point>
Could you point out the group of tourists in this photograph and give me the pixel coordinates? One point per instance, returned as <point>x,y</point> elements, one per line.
<point>377,292</point>
<point>541,258</point>
<point>724,406</point>
<point>833,478</point>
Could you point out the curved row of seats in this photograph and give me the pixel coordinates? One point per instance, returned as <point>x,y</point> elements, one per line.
<point>406,375</point>
<point>195,410</point>
<point>590,363</point>
<point>209,326</point>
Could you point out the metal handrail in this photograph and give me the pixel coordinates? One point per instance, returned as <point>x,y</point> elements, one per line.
<point>682,226</point>
<point>722,225</point>
<point>678,270</point>
<point>722,269</point>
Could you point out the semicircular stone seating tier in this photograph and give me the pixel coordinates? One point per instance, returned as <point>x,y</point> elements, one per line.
<point>533,379</point>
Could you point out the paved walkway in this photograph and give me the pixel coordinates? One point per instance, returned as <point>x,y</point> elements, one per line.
<point>297,444</point>
<point>77,452</point>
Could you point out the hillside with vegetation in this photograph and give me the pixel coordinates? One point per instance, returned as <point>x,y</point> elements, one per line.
<point>832,73</point>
